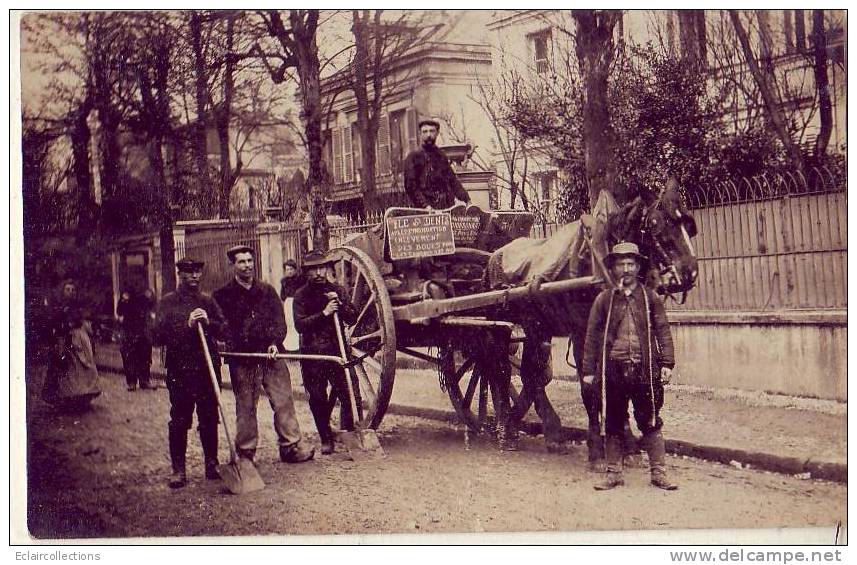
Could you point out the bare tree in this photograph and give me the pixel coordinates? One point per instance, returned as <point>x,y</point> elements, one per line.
<point>822,84</point>
<point>202,98</point>
<point>594,48</point>
<point>378,44</point>
<point>154,35</point>
<point>772,103</point>
<point>296,48</point>
<point>84,57</point>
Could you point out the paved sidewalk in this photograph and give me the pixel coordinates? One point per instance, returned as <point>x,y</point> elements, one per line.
<point>778,433</point>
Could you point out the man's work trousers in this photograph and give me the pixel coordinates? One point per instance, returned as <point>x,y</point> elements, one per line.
<point>625,383</point>
<point>137,361</point>
<point>248,379</point>
<point>316,376</point>
<point>191,389</point>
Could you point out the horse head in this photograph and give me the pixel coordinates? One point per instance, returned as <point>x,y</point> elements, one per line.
<point>660,224</point>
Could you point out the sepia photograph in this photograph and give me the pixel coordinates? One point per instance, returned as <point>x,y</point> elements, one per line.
<point>337,276</point>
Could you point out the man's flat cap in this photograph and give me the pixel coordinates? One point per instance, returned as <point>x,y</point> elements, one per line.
<point>236,249</point>
<point>429,122</point>
<point>188,265</point>
<point>290,263</point>
<point>315,258</point>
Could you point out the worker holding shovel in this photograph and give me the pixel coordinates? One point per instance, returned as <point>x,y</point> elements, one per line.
<point>188,379</point>
<point>318,306</point>
<point>257,326</point>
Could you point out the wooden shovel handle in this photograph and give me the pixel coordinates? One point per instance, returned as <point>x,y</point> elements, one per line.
<point>216,386</point>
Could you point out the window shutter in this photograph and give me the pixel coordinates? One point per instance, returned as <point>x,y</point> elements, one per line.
<point>337,155</point>
<point>412,129</point>
<point>356,144</point>
<point>384,145</point>
<point>348,155</point>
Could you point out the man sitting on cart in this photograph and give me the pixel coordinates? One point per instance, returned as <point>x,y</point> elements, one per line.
<point>314,306</point>
<point>429,179</point>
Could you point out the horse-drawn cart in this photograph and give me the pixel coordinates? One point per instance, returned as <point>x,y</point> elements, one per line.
<point>452,286</point>
<point>421,285</point>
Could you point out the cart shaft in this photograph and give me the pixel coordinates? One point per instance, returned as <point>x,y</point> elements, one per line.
<point>423,312</point>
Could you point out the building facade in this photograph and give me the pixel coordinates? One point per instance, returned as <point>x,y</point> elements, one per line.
<point>433,79</point>
<point>537,46</point>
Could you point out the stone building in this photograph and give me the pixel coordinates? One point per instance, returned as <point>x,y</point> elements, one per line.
<point>436,78</point>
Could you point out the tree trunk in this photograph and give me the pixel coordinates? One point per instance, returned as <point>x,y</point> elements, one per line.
<point>200,127</point>
<point>594,49</point>
<point>772,105</point>
<point>165,227</point>
<point>223,116</point>
<point>822,84</point>
<point>308,67</point>
<point>367,118</point>
<point>80,140</point>
<point>691,26</point>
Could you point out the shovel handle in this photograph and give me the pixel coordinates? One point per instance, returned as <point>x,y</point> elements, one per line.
<point>352,400</point>
<point>216,386</point>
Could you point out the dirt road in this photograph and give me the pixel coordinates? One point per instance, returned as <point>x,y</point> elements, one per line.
<point>103,474</point>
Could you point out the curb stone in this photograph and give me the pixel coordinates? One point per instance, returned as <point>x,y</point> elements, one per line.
<point>826,470</point>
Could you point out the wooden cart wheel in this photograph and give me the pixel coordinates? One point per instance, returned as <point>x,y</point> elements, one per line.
<point>472,393</point>
<point>372,339</point>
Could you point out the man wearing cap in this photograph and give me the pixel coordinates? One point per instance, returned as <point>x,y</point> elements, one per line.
<point>257,325</point>
<point>429,179</point>
<point>188,380</point>
<point>628,329</point>
<point>315,304</point>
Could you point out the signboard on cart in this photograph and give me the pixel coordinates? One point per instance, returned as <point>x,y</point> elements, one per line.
<point>423,235</point>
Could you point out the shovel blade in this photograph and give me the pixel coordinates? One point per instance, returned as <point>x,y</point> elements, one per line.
<point>361,444</point>
<point>370,441</point>
<point>240,477</point>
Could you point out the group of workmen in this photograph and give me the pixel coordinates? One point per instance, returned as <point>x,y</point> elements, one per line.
<point>628,350</point>
<point>247,314</point>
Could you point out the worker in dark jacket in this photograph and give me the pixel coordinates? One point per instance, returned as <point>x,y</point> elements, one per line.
<point>429,179</point>
<point>134,312</point>
<point>315,304</point>
<point>256,325</point>
<point>188,379</point>
<point>628,352</point>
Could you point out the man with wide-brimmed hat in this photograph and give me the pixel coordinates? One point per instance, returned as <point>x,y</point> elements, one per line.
<point>315,304</point>
<point>429,179</point>
<point>188,381</point>
<point>629,353</point>
<point>257,324</point>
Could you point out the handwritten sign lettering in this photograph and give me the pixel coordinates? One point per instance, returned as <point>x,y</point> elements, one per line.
<point>425,235</point>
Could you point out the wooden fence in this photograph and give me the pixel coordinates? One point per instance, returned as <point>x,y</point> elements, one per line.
<point>768,244</point>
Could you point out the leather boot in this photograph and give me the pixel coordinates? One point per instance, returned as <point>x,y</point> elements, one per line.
<point>595,445</point>
<point>178,479</point>
<point>654,442</point>
<point>327,441</point>
<point>614,477</point>
<point>178,448</point>
<point>297,453</point>
<point>632,455</point>
<point>507,435</point>
<point>208,439</point>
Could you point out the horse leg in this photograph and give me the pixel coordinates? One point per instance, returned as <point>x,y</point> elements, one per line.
<point>591,396</point>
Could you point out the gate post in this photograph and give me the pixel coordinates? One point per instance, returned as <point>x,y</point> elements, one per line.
<point>270,253</point>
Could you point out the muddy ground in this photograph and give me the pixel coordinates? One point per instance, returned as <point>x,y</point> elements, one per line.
<point>103,474</point>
